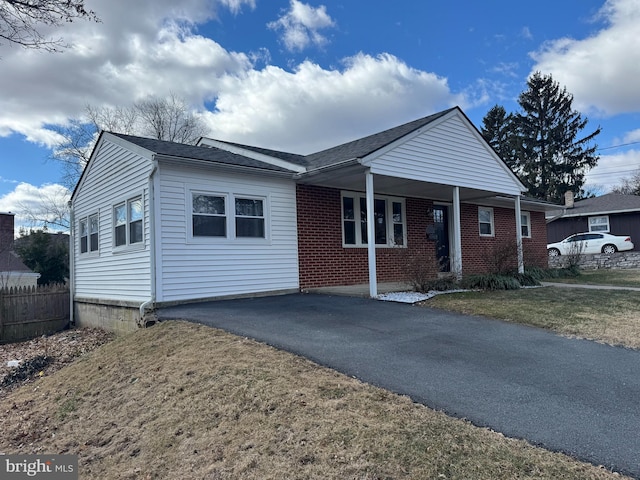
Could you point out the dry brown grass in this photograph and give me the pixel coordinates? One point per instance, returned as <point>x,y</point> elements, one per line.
<point>183,401</point>
<point>608,316</point>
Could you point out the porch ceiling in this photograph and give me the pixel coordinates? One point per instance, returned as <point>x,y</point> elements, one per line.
<point>352,177</point>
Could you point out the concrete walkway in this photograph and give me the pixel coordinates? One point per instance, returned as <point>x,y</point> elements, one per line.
<point>591,287</point>
<point>568,395</point>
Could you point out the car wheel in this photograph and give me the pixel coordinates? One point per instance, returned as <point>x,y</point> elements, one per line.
<point>553,252</point>
<point>609,249</point>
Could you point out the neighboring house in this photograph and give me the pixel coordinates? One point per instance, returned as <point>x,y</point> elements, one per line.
<point>156,223</point>
<point>614,213</point>
<point>13,273</point>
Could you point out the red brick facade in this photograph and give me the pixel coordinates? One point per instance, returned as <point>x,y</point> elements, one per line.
<point>323,261</point>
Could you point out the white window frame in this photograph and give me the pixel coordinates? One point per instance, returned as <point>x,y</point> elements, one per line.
<point>527,223</point>
<point>87,222</point>
<point>230,216</point>
<point>357,196</point>
<point>263,217</point>
<point>594,224</point>
<point>128,243</point>
<point>491,223</point>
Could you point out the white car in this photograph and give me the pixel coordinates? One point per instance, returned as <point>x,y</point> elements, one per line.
<point>591,242</point>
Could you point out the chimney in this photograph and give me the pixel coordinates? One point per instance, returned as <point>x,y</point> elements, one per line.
<point>568,199</point>
<point>6,231</point>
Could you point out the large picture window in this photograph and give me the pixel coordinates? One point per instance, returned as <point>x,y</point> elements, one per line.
<point>388,215</point>
<point>127,222</point>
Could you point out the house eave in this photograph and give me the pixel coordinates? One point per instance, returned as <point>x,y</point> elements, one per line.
<point>251,170</point>
<point>593,214</point>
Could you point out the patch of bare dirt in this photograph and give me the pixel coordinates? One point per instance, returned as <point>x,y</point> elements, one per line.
<point>45,355</point>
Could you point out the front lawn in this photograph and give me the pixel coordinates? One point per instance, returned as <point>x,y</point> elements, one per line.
<point>609,316</point>
<point>620,278</point>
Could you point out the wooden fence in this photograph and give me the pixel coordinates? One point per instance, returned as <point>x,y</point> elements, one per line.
<point>28,312</point>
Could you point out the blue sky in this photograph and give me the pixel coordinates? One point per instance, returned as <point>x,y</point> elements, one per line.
<point>301,76</point>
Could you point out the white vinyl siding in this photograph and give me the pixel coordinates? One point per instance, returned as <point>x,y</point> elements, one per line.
<point>448,153</point>
<point>205,267</point>
<point>112,273</point>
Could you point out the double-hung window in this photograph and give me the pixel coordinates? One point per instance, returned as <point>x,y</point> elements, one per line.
<point>228,216</point>
<point>127,222</point>
<point>89,228</point>
<point>388,216</point>
<point>525,224</point>
<point>485,222</point>
<point>209,215</point>
<point>599,224</point>
<point>249,217</point>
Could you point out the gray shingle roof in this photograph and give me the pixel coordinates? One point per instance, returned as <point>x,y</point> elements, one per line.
<point>609,203</point>
<point>365,146</point>
<point>294,158</point>
<point>209,154</point>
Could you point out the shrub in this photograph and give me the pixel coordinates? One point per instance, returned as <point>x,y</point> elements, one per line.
<point>491,281</point>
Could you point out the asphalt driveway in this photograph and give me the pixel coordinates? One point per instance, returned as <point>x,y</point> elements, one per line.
<point>568,395</point>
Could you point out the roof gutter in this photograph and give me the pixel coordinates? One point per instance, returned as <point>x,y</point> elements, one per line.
<point>324,168</point>
<point>72,255</point>
<point>152,244</point>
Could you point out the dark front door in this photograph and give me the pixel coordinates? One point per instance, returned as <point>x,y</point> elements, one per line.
<point>441,231</point>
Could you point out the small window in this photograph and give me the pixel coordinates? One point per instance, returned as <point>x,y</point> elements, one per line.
<point>127,222</point>
<point>84,236</point>
<point>209,215</point>
<point>93,233</point>
<point>599,224</point>
<point>250,218</point>
<point>525,224</point>
<point>398,223</point>
<point>349,220</point>
<point>485,221</point>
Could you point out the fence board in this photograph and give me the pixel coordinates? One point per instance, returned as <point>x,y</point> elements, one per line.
<point>27,312</point>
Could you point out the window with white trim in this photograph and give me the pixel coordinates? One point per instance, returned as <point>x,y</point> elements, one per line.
<point>485,221</point>
<point>599,224</point>
<point>249,217</point>
<point>390,224</point>
<point>525,224</point>
<point>127,222</point>
<point>209,217</point>
<point>89,230</point>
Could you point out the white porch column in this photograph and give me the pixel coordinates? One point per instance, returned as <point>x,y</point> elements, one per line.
<point>371,235</point>
<point>456,266</point>
<point>519,235</point>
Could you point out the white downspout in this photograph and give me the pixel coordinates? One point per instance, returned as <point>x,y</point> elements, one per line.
<point>152,242</point>
<point>371,235</point>
<point>72,255</point>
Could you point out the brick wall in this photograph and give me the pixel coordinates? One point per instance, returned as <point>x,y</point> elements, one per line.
<point>323,261</point>
<point>478,252</point>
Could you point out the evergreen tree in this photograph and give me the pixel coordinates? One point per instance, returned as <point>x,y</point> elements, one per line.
<point>497,130</point>
<point>46,254</point>
<point>542,143</point>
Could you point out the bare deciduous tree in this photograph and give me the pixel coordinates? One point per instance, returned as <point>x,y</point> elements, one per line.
<point>629,185</point>
<point>169,119</point>
<point>20,20</point>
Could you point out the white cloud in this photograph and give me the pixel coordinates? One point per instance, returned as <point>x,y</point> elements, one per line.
<point>301,26</point>
<point>526,33</point>
<point>140,48</point>
<point>601,71</point>
<point>313,108</point>
<point>632,136</point>
<point>613,168</point>
<point>27,200</point>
